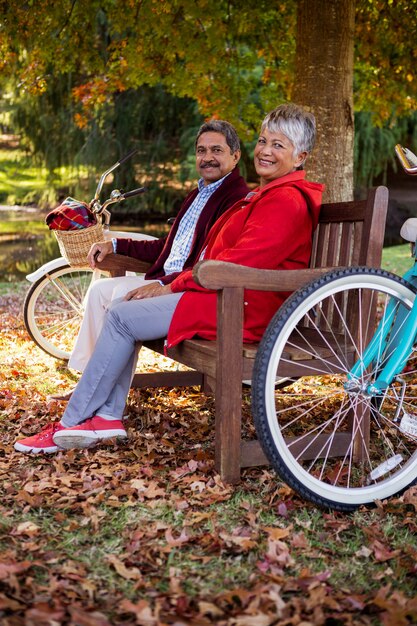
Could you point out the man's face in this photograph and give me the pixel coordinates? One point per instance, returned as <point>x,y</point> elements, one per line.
<point>213,157</point>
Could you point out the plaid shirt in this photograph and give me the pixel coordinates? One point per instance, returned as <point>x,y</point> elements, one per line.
<point>181,246</point>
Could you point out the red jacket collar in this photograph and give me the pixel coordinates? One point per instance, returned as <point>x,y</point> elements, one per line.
<point>298,175</point>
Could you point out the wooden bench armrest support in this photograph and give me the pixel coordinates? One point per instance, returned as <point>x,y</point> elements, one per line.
<point>118,264</point>
<point>220,275</point>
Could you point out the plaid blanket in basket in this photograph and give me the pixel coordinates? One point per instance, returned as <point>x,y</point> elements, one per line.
<point>70,215</point>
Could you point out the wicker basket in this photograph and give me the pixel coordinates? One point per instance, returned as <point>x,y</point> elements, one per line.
<point>74,245</point>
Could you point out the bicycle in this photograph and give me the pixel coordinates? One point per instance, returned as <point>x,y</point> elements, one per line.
<point>334,387</point>
<point>54,304</point>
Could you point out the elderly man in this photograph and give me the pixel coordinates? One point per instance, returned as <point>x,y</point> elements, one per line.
<point>220,186</point>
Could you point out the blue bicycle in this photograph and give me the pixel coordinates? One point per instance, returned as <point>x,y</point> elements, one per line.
<point>334,388</point>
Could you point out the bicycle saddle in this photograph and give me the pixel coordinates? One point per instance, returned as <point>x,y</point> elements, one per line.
<point>409,230</point>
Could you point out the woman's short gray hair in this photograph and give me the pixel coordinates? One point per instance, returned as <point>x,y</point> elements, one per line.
<point>225,128</point>
<point>295,123</point>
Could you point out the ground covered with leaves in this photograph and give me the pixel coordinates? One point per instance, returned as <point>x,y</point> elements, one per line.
<point>146,533</point>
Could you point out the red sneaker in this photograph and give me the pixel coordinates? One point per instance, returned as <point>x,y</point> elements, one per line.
<point>88,433</point>
<point>42,442</point>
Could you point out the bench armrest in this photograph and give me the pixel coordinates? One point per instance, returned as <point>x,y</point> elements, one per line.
<point>219,275</point>
<point>118,264</point>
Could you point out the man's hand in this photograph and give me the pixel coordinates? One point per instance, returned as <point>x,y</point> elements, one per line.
<point>148,291</point>
<point>98,252</point>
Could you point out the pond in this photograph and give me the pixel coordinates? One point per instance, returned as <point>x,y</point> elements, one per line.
<point>26,243</point>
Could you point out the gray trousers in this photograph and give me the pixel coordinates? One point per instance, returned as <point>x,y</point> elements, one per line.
<point>105,383</point>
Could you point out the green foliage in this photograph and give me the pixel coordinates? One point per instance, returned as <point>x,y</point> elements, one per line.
<point>46,122</point>
<point>233,58</point>
<point>385,60</point>
<point>160,126</point>
<point>226,55</point>
<point>374,144</point>
<point>129,73</point>
<point>162,129</point>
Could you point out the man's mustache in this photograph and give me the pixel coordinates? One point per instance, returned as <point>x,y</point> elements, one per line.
<point>209,164</point>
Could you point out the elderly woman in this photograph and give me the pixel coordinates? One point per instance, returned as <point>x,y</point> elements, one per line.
<point>271,229</point>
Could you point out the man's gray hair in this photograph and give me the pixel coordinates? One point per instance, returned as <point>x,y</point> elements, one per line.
<point>226,129</point>
<point>295,123</point>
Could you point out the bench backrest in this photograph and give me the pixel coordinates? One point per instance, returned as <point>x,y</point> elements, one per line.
<point>351,233</point>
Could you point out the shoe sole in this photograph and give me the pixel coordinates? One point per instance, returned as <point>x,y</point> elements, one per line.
<point>30,450</point>
<point>86,440</point>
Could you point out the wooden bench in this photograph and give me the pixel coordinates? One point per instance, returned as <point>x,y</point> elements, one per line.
<point>348,233</point>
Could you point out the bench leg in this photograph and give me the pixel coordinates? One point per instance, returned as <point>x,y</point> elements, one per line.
<point>361,436</point>
<point>229,372</point>
<point>228,430</point>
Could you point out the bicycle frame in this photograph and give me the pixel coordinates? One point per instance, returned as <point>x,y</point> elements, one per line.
<point>396,333</point>
<point>394,338</point>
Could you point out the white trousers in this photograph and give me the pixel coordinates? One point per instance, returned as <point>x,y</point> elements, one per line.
<point>99,296</point>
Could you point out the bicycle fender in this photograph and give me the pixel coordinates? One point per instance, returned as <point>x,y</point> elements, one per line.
<point>44,269</point>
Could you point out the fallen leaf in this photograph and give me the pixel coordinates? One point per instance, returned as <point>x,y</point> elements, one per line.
<point>276,533</point>
<point>11,569</point>
<point>26,528</point>
<point>87,618</point>
<point>132,573</point>
<point>171,541</point>
<point>245,543</point>
<point>44,615</point>
<point>142,611</point>
<point>383,553</point>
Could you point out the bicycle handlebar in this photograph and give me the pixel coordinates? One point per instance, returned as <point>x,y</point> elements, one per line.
<point>107,172</point>
<point>134,192</point>
<point>127,156</point>
<point>407,159</point>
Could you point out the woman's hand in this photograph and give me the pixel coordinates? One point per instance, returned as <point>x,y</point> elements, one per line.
<point>152,290</point>
<point>98,252</point>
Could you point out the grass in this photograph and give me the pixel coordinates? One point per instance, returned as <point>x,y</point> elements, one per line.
<point>397,259</point>
<point>207,566</point>
<point>22,182</point>
<point>18,178</point>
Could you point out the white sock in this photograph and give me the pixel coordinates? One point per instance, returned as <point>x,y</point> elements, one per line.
<point>110,418</point>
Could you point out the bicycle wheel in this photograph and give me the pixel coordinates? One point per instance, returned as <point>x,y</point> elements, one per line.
<point>328,435</point>
<point>53,309</point>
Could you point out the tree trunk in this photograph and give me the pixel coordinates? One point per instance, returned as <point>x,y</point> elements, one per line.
<point>323,83</point>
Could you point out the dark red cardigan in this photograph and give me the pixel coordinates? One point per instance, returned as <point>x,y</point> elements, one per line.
<point>156,251</point>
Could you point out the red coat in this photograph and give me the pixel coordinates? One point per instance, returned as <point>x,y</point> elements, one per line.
<point>156,251</point>
<point>272,229</point>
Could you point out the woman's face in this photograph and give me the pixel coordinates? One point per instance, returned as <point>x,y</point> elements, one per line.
<point>274,156</point>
